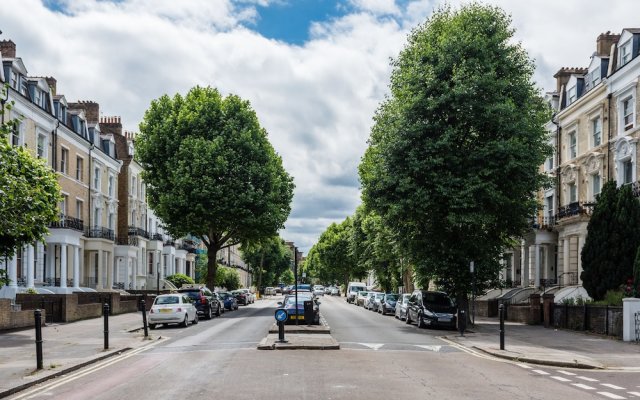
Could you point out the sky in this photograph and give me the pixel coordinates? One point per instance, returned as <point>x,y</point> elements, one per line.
<point>314,70</point>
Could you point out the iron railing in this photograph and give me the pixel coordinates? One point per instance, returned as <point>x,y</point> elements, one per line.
<point>100,232</point>
<point>170,242</point>
<point>541,222</point>
<point>157,236</point>
<point>67,222</point>
<point>573,209</point>
<point>568,278</point>
<point>127,241</point>
<point>135,231</point>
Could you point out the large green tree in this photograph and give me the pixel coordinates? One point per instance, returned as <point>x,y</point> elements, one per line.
<point>453,157</point>
<point>29,194</point>
<point>613,238</point>
<point>211,171</point>
<point>268,259</point>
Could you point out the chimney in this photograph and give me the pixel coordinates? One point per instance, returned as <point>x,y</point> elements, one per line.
<point>8,49</point>
<point>51,81</point>
<point>604,43</point>
<point>563,75</point>
<point>111,125</point>
<point>91,110</point>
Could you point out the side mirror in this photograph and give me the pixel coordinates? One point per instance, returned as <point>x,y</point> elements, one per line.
<point>317,302</point>
<point>279,303</point>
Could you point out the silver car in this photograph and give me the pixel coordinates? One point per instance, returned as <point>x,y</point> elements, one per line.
<point>401,307</point>
<point>172,309</point>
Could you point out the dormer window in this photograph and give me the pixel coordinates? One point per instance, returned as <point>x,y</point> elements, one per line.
<point>594,77</point>
<point>625,53</point>
<point>572,95</point>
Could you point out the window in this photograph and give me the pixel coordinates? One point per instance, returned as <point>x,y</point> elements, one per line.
<point>572,95</point>
<point>573,152</point>
<point>110,221</point>
<point>594,77</point>
<point>549,206</point>
<point>96,178</point>
<point>150,259</point>
<point>627,113</point>
<point>79,168</point>
<point>16,133</point>
<point>63,204</point>
<point>550,163</point>
<point>64,161</point>
<point>627,168</point>
<point>625,53</point>
<point>79,205</point>
<point>596,131</point>
<point>97,218</point>
<point>42,146</point>
<point>111,185</point>
<point>37,97</point>
<point>573,193</point>
<point>595,185</point>
<point>133,186</point>
<point>14,80</point>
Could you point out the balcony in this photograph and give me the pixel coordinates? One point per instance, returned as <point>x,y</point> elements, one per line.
<point>134,231</point>
<point>541,222</point>
<point>156,236</point>
<point>99,232</point>
<point>67,222</point>
<point>574,209</point>
<point>127,241</point>
<point>170,242</point>
<point>188,247</point>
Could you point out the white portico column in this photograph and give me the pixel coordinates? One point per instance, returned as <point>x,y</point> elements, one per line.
<point>30,267</point>
<point>110,269</point>
<point>538,259</point>
<point>63,265</point>
<point>51,255</point>
<point>565,261</point>
<point>100,283</point>
<point>580,246</point>
<point>13,271</point>
<point>76,267</point>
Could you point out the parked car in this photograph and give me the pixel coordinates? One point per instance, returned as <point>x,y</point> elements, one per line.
<point>177,308</point>
<point>401,306</point>
<point>229,300</point>
<point>242,297</point>
<point>369,302</point>
<point>297,312</point>
<point>318,290</point>
<point>287,289</point>
<point>269,291</point>
<point>335,291</point>
<point>353,289</point>
<point>361,297</point>
<point>204,300</point>
<point>388,304</point>
<point>251,297</point>
<point>431,309</point>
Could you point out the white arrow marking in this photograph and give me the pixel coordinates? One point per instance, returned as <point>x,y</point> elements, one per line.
<point>374,346</point>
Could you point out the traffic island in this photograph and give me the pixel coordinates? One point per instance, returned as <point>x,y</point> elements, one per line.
<point>300,337</point>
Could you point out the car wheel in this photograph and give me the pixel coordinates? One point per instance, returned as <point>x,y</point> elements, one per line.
<point>185,323</point>
<point>218,312</point>
<point>407,320</point>
<point>152,326</point>
<point>195,320</point>
<point>209,314</point>
<point>421,323</point>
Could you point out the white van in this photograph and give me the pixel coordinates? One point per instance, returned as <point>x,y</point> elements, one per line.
<point>352,290</point>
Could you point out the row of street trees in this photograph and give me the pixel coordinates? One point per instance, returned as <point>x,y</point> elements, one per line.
<point>451,171</point>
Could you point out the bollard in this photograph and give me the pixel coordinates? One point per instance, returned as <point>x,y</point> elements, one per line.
<point>462,322</point>
<point>38,317</point>
<point>501,312</point>
<point>281,332</point>
<point>105,312</point>
<point>281,316</point>
<point>144,317</point>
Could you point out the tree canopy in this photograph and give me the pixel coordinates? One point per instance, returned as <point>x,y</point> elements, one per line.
<point>211,171</point>
<point>453,156</point>
<point>268,260</point>
<point>612,242</point>
<point>29,194</point>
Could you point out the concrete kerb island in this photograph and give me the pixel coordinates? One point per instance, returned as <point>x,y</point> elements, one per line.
<point>300,337</point>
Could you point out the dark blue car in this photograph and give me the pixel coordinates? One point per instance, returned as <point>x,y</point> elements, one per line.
<point>229,300</point>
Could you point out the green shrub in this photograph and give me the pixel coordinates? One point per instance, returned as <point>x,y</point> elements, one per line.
<point>568,301</point>
<point>31,291</point>
<point>180,279</point>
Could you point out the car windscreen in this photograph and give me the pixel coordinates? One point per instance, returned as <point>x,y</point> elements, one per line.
<point>223,295</point>
<point>357,288</point>
<point>391,297</point>
<point>379,296</point>
<point>438,299</point>
<point>168,300</point>
<point>363,293</point>
<point>193,295</point>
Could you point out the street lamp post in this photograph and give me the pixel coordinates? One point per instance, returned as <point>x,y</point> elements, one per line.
<point>295,280</point>
<point>473,292</point>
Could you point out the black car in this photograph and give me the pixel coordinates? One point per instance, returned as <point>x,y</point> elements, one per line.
<point>388,303</point>
<point>206,303</point>
<point>431,309</point>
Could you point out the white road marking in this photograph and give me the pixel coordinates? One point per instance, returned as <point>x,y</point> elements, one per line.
<point>524,366</point>
<point>561,379</point>
<point>538,371</point>
<point>374,346</point>
<point>584,378</point>
<point>634,393</point>
<point>610,395</point>
<point>583,386</point>
<point>612,386</point>
<point>432,348</point>
<point>566,373</point>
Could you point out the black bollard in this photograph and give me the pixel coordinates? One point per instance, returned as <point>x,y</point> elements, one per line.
<point>105,312</point>
<point>281,332</point>
<point>501,312</point>
<point>144,317</point>
<point>38,317</point>
<point>462,322</point>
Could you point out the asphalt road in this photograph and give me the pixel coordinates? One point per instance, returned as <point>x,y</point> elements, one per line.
<point>380,358</point>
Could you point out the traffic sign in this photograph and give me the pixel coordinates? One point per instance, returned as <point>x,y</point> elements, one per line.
<point>281,315</point>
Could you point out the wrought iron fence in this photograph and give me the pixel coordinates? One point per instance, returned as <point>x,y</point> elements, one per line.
<point>127,241</point>
<point>573,209</point>
<point>637,315</point>
<point>67,222</point>
<point>135,231</point>
<point>541,222</point>
<point>100,232</point>
<point>157,236</point>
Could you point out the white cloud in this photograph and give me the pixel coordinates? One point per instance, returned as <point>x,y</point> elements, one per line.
<point>316,100</point>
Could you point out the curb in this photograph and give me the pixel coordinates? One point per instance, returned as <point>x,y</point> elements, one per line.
<point>551,363</point>
<point>20,388</point>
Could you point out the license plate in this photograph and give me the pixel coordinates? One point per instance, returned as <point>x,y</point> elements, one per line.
<point>296,317</point>
<point>165,310</point>
<point>444,319</point>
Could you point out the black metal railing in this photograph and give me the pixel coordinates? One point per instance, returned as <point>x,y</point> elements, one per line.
<point>541,222</point>
<point>573,209</point>
<point>67,222</point>
<point>100,232</point>
<point>127,241</point>
<point>188,247</point>
<point>135,231</point>
<point>157,236</point>
<point>118,285</point>
<point>169,242</point>
<point>568,278</point>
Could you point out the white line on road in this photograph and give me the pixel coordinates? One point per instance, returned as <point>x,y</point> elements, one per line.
<point>566,373</point>
<point>584,378</point>
<point>524,366</point>
<point>432,348</point>
<point>583,386</point>
<point>561,379</point>
<point>612,386</point>
<point>539,371</point>
<point>374,346</point>
<point>611,395</point>
<point>634,393</point>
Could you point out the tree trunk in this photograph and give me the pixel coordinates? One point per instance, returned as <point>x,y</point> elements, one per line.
<point>212,267</point>
<point>260,272</point>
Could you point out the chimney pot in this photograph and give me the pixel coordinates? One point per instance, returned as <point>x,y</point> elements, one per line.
<point>8,49</point>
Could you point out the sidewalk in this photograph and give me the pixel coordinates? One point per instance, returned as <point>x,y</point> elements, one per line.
<point>65,347</point>
<point>547,346</point>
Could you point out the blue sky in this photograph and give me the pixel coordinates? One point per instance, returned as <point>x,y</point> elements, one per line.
<point>314,70</point>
